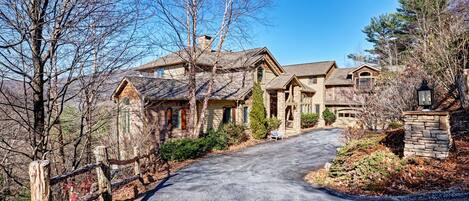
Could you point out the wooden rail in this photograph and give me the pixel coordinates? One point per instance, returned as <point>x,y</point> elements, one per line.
<point>41,182</point>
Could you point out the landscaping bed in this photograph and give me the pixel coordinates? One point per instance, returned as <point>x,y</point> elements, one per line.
<point>373,165</point>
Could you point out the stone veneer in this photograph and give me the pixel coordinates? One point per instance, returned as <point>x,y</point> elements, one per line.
<point>427,134</point>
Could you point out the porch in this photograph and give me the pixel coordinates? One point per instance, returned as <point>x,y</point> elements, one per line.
<point>286,99</point>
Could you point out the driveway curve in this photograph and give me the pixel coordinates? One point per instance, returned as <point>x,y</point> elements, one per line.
<point>270,171</point>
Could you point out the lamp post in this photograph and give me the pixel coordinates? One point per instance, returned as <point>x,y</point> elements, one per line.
<point>425,96</point>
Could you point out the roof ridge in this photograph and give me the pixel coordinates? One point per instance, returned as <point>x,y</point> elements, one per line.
<point>309,63</point>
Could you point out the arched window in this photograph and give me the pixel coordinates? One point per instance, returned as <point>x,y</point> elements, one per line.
<point>364,81</point>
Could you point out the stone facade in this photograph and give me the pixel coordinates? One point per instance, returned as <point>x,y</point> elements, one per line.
<point>427,134</point>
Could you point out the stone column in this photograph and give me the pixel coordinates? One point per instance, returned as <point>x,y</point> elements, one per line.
<point>297,110</point>
<point>267,103</point>
<point>427,134</point>
<point>281,109</point>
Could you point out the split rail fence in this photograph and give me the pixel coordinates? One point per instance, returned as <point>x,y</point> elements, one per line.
<point>41,181</point>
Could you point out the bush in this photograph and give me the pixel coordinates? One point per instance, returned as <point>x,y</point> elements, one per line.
<point>329,117</point>
<point>309,120</point>
<point>395,125</point>
<point>273,124</point>
<point>257,114</point>
<point>216,140</point>
<point>183,149</point>
<point>374,169</point>
<point>235,133</point>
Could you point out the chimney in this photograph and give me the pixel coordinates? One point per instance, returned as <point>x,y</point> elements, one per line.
<point>204,42</point>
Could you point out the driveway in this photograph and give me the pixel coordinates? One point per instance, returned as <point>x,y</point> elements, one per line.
<point>271,171</point>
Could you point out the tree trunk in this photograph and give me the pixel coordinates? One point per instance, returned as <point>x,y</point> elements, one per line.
<point>38,78</point>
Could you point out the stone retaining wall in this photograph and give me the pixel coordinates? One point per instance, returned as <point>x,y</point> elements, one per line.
<point>427,134</point>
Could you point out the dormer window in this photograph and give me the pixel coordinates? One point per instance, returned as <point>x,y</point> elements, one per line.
<point>260,74</point>
<point>364,81</point>
<point>159,73</point>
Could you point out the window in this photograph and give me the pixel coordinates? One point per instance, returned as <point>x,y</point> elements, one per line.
<point>346,114</point>
<point>159,73</point>
<point>245,114</point>
<point>226,115</point>
<point>176,119</point>
<point>313,80</point>
<point>260,74</point>
<point>318,108</point>
<point>365,81</point>
<point>125,121</point>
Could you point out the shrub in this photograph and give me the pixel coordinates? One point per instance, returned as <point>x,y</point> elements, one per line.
<point>235,133</point>
<point>341,164</point>
<point>273,124</point>
<point>257,114</point>
<point>183,149</point>
<point>395,124</point>
<point>329,117</point>
<point>374,169</point>
<point>216,140</point>
<point>309,120</point>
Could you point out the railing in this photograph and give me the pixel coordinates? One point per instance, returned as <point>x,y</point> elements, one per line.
<point>41,182</point>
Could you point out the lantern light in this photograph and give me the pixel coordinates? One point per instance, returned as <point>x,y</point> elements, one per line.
<point>425,95</point>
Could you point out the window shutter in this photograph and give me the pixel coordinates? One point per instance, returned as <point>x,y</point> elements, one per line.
<point>183,119</point>
<point>233,112</point>
<point>168,116</point>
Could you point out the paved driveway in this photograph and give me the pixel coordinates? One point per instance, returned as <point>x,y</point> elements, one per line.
<point>271,171</point>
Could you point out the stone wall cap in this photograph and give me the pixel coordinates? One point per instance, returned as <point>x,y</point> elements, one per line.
<point>427,113</point>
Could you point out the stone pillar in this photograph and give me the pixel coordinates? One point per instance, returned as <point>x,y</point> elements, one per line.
<point>297,109</point>
<point>267,103</point>
<point>427,134</point>
<point>281,109</point>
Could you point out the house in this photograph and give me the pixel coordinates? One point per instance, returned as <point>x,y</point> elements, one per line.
<point>161,92</point>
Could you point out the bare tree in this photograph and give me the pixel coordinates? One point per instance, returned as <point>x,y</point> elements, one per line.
<point>186,20</point>
<point>55,54</point>
<point>441,47</point>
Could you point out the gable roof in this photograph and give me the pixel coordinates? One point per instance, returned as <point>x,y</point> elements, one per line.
<point>227,60</point>
<point>281,81</point>
<point>228,86</point>
<point>339,77</point>
<point>366,66</point>
<point>308,69</point>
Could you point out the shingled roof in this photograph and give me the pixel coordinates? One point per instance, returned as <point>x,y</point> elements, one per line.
<point>339,77</point>
<point>228,59</point>
<point>229,86</point>
<point>308,69</point>
<point>282,80</point>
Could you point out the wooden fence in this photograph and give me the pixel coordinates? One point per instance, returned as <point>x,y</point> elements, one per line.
<point>41,181</point>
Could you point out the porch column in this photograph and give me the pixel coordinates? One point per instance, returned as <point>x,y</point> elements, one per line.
<point>297,110</point>
<point>281,109</point>
<point>267,103</point>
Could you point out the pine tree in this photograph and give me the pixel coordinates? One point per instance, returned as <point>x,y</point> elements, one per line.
<point>258,115</point>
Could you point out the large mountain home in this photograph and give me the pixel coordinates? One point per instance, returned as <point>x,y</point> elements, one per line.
<point>161,91</point>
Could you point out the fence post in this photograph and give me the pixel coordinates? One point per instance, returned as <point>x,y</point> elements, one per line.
<point>104,173</point>
<point>39,177</point>
<point>137,162</point>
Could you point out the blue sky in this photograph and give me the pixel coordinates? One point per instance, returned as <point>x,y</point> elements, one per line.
<point>315,30</point>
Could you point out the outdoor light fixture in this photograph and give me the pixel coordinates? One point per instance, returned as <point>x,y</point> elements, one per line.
<point>425,95</point>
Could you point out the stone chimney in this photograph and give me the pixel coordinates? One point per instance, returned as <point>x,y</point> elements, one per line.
<point>204,42</point>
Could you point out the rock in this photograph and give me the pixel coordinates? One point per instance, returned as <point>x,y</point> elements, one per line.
<point>327,166</point>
